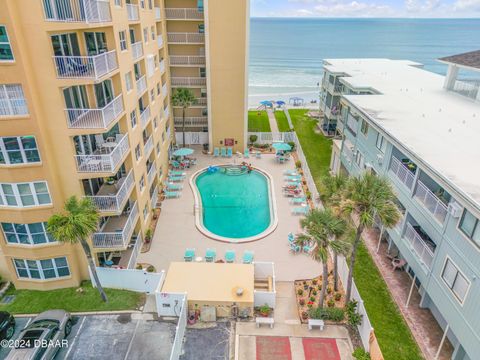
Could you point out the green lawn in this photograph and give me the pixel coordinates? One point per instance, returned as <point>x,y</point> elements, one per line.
<point>392,332</point>
<point>258,123</point>
<point>35,301</point>
<point>282,121</point>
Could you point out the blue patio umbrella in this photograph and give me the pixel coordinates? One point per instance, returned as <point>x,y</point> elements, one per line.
<point>183,152</point>
<point>280,102</point>
<point>281,146</point>
<point>266,103</point>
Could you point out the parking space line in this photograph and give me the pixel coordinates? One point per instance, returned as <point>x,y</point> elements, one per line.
<point>131,340</point>
<point>70,347</point>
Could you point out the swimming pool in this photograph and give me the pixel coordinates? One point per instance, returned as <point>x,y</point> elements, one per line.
<point>232,205</point>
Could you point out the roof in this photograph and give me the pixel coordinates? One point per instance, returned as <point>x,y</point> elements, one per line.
<point>470,59</point>
<point>211,282</point>
<point>440,128</point>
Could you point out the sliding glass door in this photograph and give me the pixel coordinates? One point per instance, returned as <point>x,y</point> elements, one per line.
<point>104,93</point>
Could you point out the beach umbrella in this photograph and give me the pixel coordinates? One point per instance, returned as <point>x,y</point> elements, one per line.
<point>266,103</point>
<point>183,152</point>
<point>282,146</point>
<point>280,102</point>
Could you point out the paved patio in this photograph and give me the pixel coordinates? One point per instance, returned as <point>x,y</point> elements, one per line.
<point>176,229</point>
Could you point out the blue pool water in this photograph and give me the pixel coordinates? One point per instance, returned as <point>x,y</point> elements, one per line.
<point>234,206</point>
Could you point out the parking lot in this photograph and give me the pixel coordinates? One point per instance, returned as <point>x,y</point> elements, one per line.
<point>125,336</point>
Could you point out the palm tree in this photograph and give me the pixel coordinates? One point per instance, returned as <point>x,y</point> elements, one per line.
<point>321,228</point>
<point>78,223</point>
<point>368,196</point>
<point>184,98</point>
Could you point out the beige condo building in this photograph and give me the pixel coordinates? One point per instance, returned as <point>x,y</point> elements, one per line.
<point>85,92</point>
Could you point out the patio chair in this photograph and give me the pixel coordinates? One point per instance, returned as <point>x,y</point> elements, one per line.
<point>307,249</point>
<point>298,200</point>
<point>215,152</point>
<point>230,256</point>
<point>177,173</point>
<point>246,153</point>
<point>174,187</point>
<point>210,255</point>
<point>223,152</point>
<point>290,172</point>
<point>293,184</point>
<point>291,237</point>
<point>303,210</point>
<point>293,178</point>
<point>172,194</point>
<point>294,247</point>
<point>229,152</point>
<point>398,264</point>
<point>176,165</point>
<point>173,178</point>
<point>248,257</point>
<point>189,254</point>
<point>258,155</point>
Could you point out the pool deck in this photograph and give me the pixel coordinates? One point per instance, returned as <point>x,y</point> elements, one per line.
<point>176,229</point>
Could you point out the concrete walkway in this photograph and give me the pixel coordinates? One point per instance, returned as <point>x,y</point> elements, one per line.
<point>272,120</point>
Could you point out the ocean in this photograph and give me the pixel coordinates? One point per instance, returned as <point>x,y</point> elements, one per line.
<point>286,53</point>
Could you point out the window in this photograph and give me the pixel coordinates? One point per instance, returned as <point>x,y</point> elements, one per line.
<point>155,122</point>
<point>6,53</point>
<point>158,148</point>
<point>359,159</point>
<point>142,183</point>
<point>118,2</point>
<point>150,5</point>
<point>123,40</point>
<point>158,89</point>
<point>381,143</point>
<point>145,212</point>
<point>203,72</point>
<point>201,28</point>
<point>138,154</point>
<point>28,234</point>
<point>469,225</point>
<point>142,4</point>
<point>455,280</point>
<point>24,194</point>
<point>145,34</point>
<point>152,95</point>
<point>163,137</point>
<point>12,100</point>
<point>18,150</point>
<point>152,32</point>
<point>128,81</point>
<point>133,118</point>
<point>42,269</point>
<point>364,127</point>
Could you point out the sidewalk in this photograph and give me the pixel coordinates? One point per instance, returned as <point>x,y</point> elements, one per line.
<point>272,120</point>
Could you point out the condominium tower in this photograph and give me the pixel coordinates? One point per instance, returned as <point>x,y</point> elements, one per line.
<point>85,109</point>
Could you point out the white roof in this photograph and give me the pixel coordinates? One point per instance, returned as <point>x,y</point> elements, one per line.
<point>441,128</point>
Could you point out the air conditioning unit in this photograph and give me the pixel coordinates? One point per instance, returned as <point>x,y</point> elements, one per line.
<point>455,209</point>
<point>379,159</point>
<point>369,168</point>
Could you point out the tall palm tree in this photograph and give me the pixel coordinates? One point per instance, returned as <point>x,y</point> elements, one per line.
<point>368,196</point>
<point>184,98</point>
<point>75,225</point>
<point>321,229</point>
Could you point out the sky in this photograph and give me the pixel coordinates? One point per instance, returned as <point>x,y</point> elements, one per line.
<point>366,8</point>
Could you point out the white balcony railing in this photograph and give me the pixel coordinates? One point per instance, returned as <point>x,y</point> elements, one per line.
<point>185,38</point>
<point>88,11</point>
<point>177,60</point>
<point>189,81</point>
<point>164,90</point>
<point>117,238</point>
<point>192,121</point>
<point>183,14</point>
<point>166,111</point>
<point>151,173</point>
<point>420,247</point>
<point>352,124</point>
<point>402,173</point>
<point>137,50</point>
<point>148,146</point>
<point>135,251</point>
<point>160,41</point>
<point>158,14</point>
<point>162,66</point>
<point>145,116</point>
<point>86,67</point>
<point>154,197</point>
<point>103,163</point>
<point>132,12</point>
<point>169,133</point>
<point>432,203</point>
<point>201,102</point>
<point>141,86</point>
<point>115,203</point>
<point>95,118</point>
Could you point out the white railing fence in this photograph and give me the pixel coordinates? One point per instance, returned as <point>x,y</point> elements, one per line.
<point>189,81</point>
<point>89,11</point>
<point>95,118</point>
<point>192,138</point>
<point>180,331</point>
<point>144,117</point>
<point>132,12</point>
<point>269,137</point>
<point>402,172</point>
<point>129,279</point>
<point>470,89</point>
<point>148,146</point>
<point>306,171</point>
<point>159,40</point>
<point>199,121</point>
<point>183,14</point>
<point>184,37</point>
<point>137,50</point>
<point>431,202</point>
<point>420,247</point>
<point>187,60</point>
<point>135,251</point>
<point>151,173</point>
<point>141,85</point>
<point>115,202</point>
<point>91,67</point>
<point>263,271</point>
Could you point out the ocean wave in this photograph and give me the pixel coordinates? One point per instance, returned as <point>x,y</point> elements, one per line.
<point>307,93</point>
<point>254,85</point>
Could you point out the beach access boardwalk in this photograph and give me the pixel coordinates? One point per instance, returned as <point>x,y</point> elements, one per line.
<point>272,120</point>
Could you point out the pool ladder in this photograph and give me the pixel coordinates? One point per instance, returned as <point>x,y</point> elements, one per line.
<point>235,170</point>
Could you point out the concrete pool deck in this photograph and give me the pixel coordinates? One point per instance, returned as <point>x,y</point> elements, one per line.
<point>176,229</point>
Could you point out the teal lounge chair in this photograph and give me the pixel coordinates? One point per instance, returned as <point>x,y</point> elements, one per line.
<point>229,152</point>
<point>230,256</point>
<point>172,194</point>
<point>294,248</point>
<point>303,210</point>
<point>177,173</point>
<point>291,237</point>
<point>216,152</point>
<point>210,255</point>
<point>176,178</point>
<point>176,164</point>
<point>246,154</point>
<point>290,172</point>
<point>189,254</point>
<point>298,200</point>
<point>248,257</point>
<point>172,186</point>
<point>258,155</point>
<point>293,178</point>
<point>307,248</point>
<point>293,183</point>
<point>224,152</point>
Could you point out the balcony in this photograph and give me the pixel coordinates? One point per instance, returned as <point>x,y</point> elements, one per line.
<point>141,86</point>
<point>402,173</point>
<point>183,14</point>
<point>188,81</point>
<point>166,111</point>
<point>95,118</point>
<point>132,12</point>
<point>86,11</point>
<point>148,146</point>
<point>86,67</point>
<point>151,173</point>
<point>160,41</point>
<point>154,197</point>
<point>162,66</point>
<point>185,38</point>
<point>431,202</point>
<point>137,50</point>
<point>201,102</point>
<point>193,121</point>
<point>176,60</point>
<point>158,14</point>
<point>145,116</point>
<point>352,124</point>
<point>117,230</point>
<point>423,249</point>
<point>164,90</point>
<point>106,158</point>
<point>113,198</point>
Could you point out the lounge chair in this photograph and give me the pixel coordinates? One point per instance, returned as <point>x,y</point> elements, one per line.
<point>189,254</point>
<point>210,255</point>
<point>173,178</point>
<point>224,152</point>
<point>230,256</point>
<point>303,210</point>
<point>290,172</point>
<point>307,248</point>
<point>291,237</point>
<point>229,152</point>
<point>172,186</point>
<point>246,154</point>
<point>294,247</point>
<point>248,257</point>
<point>176,165</point>
<point>292,183</point>
<point>258,155</point>
<point>298,200</point>
<point>216,152</point>
<point>177,173</point>
<point>172,194</point>
<point>293,178</point>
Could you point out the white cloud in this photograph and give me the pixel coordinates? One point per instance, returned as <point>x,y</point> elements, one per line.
<point>352,8</point>
<point>462,5</point>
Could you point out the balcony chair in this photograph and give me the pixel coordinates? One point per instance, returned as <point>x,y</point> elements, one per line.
<point>224,152</point>
<point>230,256</point>
<point>246,154</point>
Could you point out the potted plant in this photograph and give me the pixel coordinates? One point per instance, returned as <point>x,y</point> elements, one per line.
<point>253,139</point>
<point>310,304</point>
<point>298,164</point>
<point>314,281</point>
<point>150,268</point>
<point>331,303</point>
<point>314,292</point>
<point>312,298</point>
<point>110,180</point>
<point>148,236</point>
<point>301,301</point>
<point>300,292</point>
<point>304,315</point>
<point>264,310</point>
<point>338,296</point>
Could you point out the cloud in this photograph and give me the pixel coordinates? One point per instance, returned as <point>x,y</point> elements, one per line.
<point>352,8</point>
<point>463,5</point>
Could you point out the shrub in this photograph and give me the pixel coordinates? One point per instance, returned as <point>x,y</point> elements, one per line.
<point>329,290</point>
<point>300,292</point>
<point>139,267</point>
<point>150,268</point>
<point>361,354</point>
<point>148,235</point>
<point>354,318</point>
<point>314,281</point>
<point>292,144</point>
<point>314,292</point>
<point>334,314</point>
<point>301,302</point>
<point>312,298</point>
<point>298,164</point>
<point>331,303</point>
<point>253,138</point>
<point>338,296</point>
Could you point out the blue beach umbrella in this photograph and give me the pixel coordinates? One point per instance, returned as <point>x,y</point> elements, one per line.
<point>266,103</point>
<point>282,146</point>
<point>280,102</point>
<point>183,152</point>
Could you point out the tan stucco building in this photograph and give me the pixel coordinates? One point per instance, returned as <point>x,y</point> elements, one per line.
<point>85,89</point>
